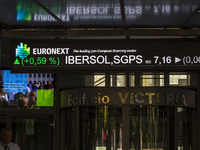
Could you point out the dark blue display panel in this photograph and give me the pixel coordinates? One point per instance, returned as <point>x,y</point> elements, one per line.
<point>104,55</point>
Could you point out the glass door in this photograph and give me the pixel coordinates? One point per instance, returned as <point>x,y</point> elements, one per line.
<point>99,128</point>
<point>149,128</point>
<point>184,129</point>
<point>32,133</point>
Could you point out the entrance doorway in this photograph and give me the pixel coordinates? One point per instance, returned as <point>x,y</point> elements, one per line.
<point>136,128</point>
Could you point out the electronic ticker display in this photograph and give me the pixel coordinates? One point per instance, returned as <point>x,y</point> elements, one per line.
<point>104,55</point>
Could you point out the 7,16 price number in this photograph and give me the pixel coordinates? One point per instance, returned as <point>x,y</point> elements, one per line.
<point>52,61</point>
<point>162,60</point>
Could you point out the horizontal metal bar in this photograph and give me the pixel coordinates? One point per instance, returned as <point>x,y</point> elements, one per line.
<point>100,33</point>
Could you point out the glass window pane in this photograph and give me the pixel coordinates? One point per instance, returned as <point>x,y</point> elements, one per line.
<point>152,79</point>
<point>118,80</point>
<point>132,80</point>
<point>99,80</point>
<point>179,79</point>
<point>89,80</point>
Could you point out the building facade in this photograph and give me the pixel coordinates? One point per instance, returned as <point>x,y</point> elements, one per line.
<point>121,106</point>
<point>100,75</point>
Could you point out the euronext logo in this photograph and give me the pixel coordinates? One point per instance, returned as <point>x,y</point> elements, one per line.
<point>22,51</point>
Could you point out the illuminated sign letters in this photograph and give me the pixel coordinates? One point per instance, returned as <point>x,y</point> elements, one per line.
<point>74,100</point>
<point>50,51</point>
<point>128,96</point>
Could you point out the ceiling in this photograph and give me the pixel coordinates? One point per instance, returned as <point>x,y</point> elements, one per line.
<point>99,18</point>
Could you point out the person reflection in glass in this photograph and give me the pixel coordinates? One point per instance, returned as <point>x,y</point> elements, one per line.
<point>6,137</point>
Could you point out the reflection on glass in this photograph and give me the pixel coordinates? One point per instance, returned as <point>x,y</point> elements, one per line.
<point>101,128</point>
<point>118,80</point>
<point>149,129</point>
<point>23,14</point>
<point>71,129</point>
<point>31,140</point>
<point>104,13</point>
<point>184,127</point>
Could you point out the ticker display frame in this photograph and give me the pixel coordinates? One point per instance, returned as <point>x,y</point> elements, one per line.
<point>163,54</point>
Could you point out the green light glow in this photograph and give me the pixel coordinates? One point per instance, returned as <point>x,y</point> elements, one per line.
<point>45,98</point>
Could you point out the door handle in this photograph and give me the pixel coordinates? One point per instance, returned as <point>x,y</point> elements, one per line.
<point>53,124</point>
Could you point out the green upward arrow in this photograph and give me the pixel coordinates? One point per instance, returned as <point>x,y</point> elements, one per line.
<point>16,62</point>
